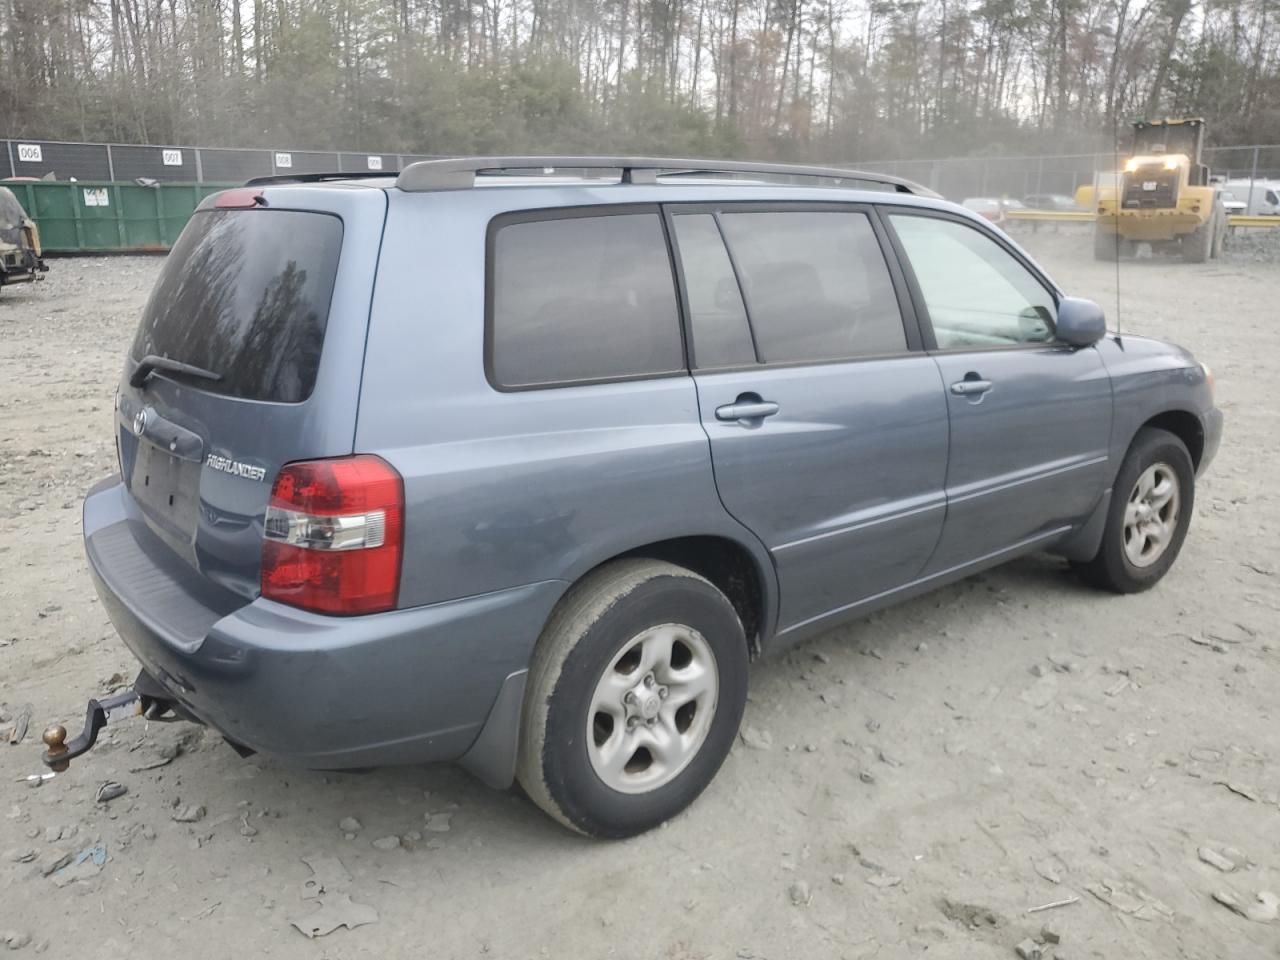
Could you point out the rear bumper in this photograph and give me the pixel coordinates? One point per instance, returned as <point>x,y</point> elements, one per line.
<point>407,686</point>
<point>21,275</point>
<point>23,266</point>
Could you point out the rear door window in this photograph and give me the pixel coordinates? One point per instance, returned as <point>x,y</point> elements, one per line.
<point>245,294</point>
<point>581,299</point>
<point>816,284</point>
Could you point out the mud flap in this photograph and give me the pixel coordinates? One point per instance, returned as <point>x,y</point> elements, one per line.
<point>492,757</point>
<point>1084,543</point>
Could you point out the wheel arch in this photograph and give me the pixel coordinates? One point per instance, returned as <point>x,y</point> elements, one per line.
<point>1184,425</point>
<point>741,569</point>
<point>740,573</point>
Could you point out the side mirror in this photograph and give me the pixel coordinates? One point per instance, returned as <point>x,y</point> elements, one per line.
<point>1080,322</point>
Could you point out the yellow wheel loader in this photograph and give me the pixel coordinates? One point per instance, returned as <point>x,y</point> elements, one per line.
<point>1164,196</point>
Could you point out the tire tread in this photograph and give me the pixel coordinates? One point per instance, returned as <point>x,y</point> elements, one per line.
<point>1107,570</point>
<point>586,602</point>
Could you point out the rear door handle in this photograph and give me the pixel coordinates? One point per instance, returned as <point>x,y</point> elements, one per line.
<point>746,410</point>
<point>970,388</point>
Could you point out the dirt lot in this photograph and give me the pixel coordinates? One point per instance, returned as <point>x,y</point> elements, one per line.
<point>931,773</point>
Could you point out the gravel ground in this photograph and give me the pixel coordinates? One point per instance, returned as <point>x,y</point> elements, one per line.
<point>914,782</point>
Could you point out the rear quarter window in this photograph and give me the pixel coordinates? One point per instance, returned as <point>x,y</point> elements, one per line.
<point>581,299</point>
<point>245,293</point>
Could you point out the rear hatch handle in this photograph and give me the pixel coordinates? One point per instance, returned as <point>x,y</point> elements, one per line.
<point>177,440</point>
<point>153,362</point>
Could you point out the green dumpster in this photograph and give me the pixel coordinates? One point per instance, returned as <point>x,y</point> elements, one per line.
<point>105,217</point>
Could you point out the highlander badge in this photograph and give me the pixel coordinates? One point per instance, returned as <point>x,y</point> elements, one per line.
<point>236,468</point>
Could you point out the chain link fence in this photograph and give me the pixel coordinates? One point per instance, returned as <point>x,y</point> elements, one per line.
<point>955,177</point>
<point>127,162</point>
<point>1016,177</point>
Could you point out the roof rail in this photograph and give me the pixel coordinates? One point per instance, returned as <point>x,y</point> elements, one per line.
<point>316,177</point>
<point>460,173</point>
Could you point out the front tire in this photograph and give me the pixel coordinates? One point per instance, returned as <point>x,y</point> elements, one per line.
<point>1151,506</point>
<point>634,697</point>
<point>1106,245</point>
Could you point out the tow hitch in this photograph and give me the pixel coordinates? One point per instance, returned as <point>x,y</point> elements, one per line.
<point>140,700</point>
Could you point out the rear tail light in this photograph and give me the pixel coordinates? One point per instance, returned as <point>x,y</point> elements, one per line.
<point>334,535</point>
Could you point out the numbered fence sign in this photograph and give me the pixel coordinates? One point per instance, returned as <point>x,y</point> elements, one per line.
<point>375,163</point>
<point>284,160</point>
<point>96,197</point>
<point>171,158</point>
<point>30,153</point>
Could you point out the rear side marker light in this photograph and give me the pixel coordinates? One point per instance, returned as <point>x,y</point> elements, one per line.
<point>334,535</point>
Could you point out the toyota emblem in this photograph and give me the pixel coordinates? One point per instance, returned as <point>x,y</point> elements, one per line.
<point>140,422</point>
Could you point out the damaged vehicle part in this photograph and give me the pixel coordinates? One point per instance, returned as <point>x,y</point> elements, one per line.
<point>21,260</point>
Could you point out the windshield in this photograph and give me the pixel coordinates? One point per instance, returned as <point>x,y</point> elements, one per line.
<point>245,294</point>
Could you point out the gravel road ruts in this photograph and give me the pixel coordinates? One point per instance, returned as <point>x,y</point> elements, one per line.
<point>934,771</point>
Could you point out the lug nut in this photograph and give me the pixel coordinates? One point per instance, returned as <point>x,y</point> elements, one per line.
<point>662,692</point>
<point>648,680</point>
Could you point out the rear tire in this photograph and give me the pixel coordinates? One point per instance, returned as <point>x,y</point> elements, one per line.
<point>1147,521</point>
<point>1198,244</point>
<point>1219,232</point>
<point>635,694</point>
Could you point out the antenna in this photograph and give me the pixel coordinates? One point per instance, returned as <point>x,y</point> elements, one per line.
<point>1116,204</point>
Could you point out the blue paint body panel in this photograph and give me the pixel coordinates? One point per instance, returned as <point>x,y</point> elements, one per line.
<point>872,483</point>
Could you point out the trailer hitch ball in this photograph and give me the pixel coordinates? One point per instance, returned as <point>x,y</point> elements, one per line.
<point>55,738</point>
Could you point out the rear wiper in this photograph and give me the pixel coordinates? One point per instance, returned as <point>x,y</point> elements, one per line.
<point>152,362</point>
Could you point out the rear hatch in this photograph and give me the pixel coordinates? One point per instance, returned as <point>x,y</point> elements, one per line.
<point>248,356</point>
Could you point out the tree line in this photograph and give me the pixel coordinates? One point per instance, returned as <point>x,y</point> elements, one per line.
<point>787,79</point>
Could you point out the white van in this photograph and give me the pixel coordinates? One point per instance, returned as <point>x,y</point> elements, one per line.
<point>1253,198</point>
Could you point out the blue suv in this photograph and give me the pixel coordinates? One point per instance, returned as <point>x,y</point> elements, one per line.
<point>521,462</point>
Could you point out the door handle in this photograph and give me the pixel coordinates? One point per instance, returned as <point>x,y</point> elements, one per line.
<point>971,388</point>
<point>747,409</point>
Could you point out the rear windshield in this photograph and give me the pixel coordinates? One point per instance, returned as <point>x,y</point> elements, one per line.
<point>245,293</point>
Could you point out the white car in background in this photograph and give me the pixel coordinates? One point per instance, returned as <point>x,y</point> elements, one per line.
<point>992,208</point>
<point>1231,204</point>
<point>1257,198</point>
